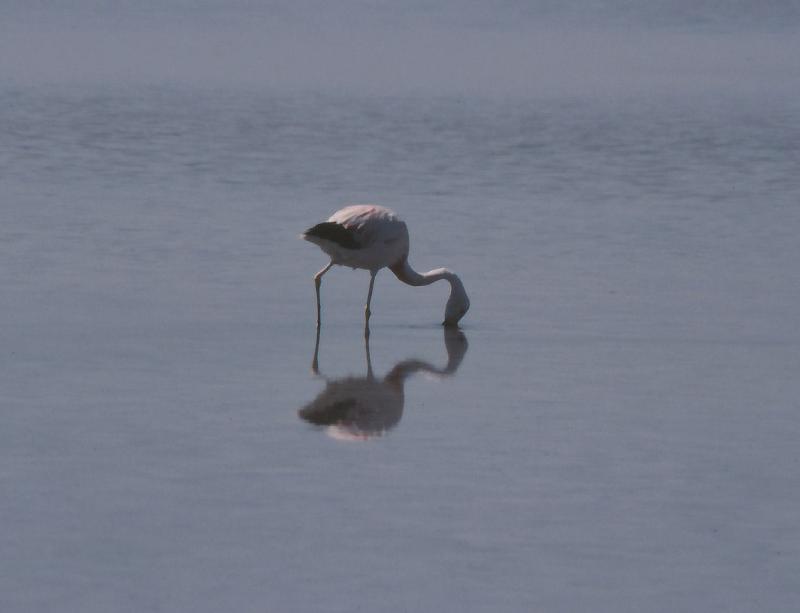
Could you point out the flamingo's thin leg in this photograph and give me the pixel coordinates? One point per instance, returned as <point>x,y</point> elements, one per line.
<point>367,312</point>
<point>317,283</point>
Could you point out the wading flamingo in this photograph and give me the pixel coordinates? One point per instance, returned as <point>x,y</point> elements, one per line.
<point>373,237</point>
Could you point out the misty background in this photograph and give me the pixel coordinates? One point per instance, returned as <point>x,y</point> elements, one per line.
<point>537,48</point>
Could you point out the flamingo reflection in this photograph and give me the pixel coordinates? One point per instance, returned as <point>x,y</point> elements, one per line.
<point>360,408</point>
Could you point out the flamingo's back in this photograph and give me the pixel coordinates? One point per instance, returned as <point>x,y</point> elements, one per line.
<point>362,236</point>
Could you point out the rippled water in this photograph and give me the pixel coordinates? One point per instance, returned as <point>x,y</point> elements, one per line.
<point>614,430</point>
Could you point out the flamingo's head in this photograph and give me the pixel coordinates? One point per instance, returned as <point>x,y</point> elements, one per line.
<point>457,305</point>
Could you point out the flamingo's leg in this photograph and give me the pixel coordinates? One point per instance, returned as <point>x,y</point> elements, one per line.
<point>367,312</point>
<point>315,361</point>
<point>317,283</point>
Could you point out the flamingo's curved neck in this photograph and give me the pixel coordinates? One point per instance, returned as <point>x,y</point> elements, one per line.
<point>403,271</point>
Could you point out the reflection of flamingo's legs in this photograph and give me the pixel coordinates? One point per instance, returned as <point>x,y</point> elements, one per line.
<point>455,343</point>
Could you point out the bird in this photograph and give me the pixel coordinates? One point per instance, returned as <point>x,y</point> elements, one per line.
<point>372,237</point>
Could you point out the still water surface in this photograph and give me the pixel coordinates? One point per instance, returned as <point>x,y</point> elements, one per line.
<point>614,428</point>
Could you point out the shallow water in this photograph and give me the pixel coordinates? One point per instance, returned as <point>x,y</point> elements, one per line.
<point>615,430</point>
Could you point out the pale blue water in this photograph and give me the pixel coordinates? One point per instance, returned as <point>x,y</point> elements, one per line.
<point>616,430</point>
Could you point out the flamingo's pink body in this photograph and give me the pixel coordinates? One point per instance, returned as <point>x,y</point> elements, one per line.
<point>373,237</point>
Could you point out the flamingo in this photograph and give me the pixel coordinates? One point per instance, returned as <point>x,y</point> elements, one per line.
<point>373,237</point>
